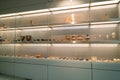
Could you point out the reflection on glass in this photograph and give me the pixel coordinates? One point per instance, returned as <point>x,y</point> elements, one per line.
<point>104,45</point>
<point>70,45</point>
<point>104,2</point>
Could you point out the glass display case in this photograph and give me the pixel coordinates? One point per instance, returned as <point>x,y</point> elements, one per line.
<point>70,36</point>
<point>82,32</point>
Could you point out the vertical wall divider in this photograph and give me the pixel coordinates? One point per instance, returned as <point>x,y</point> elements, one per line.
<point>119,18</point>
<point>14,42</point>
<point>90,34</point>
<point>119,27</point>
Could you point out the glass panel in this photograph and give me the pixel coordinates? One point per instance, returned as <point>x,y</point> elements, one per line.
<point>105,52</point>
<point>68,32</point>
<point>103,2</point>
<point>32,42</point>
<point>30,20</point>
<point>107,35</point>
<point>104,13</point>
<point>105,32</point>
<point>7,22</point>
<point>73,16</point>
<point>66,43</point>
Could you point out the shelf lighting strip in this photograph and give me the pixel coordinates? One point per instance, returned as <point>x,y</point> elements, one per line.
<point>67,28</point>
<point>25,13</point>
<point>69,7</point>
<point>104,45</point>
<point>57,9</point>
<point>35,45</point>
<point>70,45</point>
<point>105,2</point>
<point>85,45</point>
<point>35,27</point>
<point>41,28</point>
<point>105,22</point>
<point>2,45</point>
<point>104,26</point>
<point>65,45</point>
<point>60,28</point>
<point>104,7</point>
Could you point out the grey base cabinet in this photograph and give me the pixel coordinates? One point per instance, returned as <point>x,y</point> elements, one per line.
<point>29,71</point>
<point>106,75</point>
<point>66,73</point>
<point>7,68</point>
<point>33,71</point>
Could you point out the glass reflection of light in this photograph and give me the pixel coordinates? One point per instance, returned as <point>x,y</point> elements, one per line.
<point>104,45</point>
<point>38,14</point>
<point>34,12</point>
<point>106,22</point>
<point>74,27</point>
<point>7,45</point>
<point>104,2</point>
<point>104,7</point>
<point>47,45</point>
<point>25,29</point>
<point>24,13</point>
<point>7,15</point>
<point>38,29</point>
<point>104,26</point>
<point>70,45</point>
<point>8,30</point>
<point>69,11</point>
<point>69,7</point>
<point>73,41</point>
<point>73,18</point>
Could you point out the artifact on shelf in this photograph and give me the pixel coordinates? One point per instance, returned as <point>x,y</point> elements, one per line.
<point>6,41</point>
<point>94,58</point>
<point>106,17</point>
<point>4,26</point>
<point>100,36</point>
<point>67,38</point>
<point>1,39</point>
<point>73,37</point>
<point>113,35</point>
<point>38,40</point>
<point>87,37</point>
<point>116,60</point>
<point>28,37</point>
<point>107,36</point>
<point>80,37</point>
<point>95,37</point>
<point>38,56</point>
<point>22,38</point>
<point>43,39</point>
<point>31,22</point>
